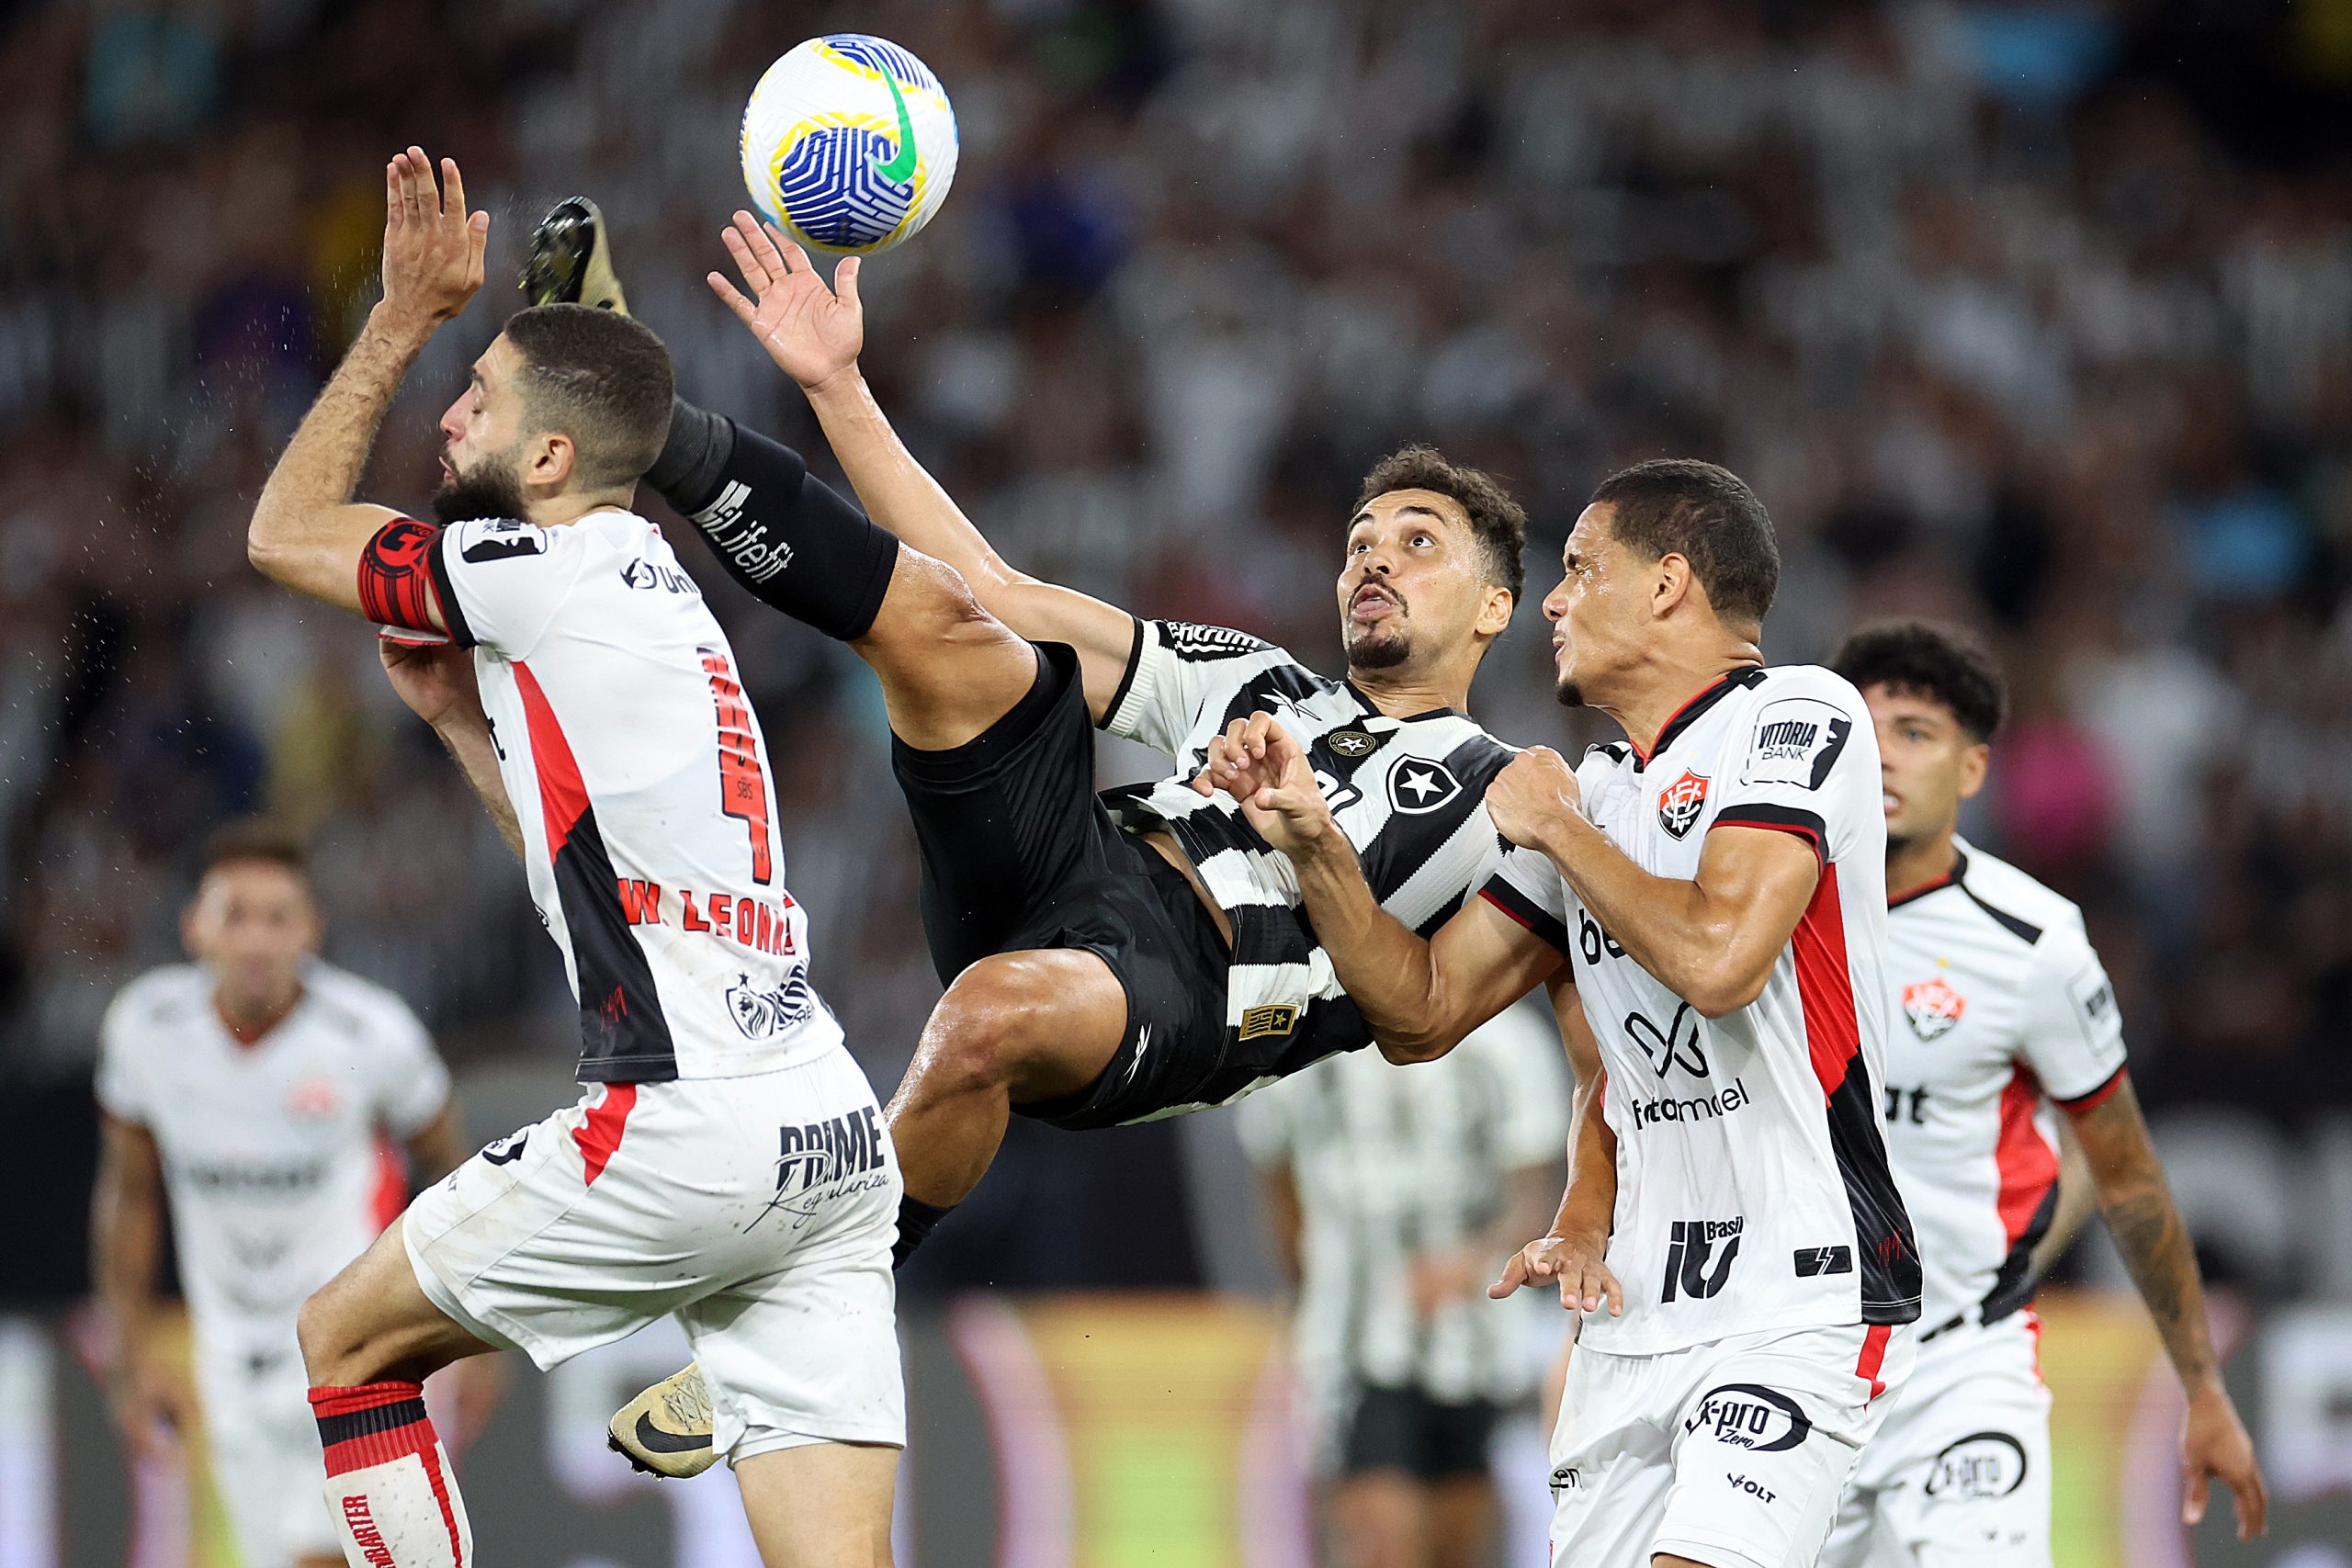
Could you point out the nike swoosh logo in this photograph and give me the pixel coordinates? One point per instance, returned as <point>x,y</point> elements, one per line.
<point>652,1439</point>
<point>902,166</point>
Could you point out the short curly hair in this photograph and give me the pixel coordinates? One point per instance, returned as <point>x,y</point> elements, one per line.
<point>1499,522</point>
<point>1943,663</point>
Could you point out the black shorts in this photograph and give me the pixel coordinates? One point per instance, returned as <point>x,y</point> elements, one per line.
<point>1018,853</point>
<point>1403,1428</point>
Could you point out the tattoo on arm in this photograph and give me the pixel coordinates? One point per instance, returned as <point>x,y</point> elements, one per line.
<point>2156,1247</point>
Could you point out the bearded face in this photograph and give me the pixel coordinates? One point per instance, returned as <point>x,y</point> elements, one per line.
<point>488,488</point>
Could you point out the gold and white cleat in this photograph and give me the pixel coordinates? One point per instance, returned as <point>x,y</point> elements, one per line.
<point>571,259</point>
<point>666,1431</point>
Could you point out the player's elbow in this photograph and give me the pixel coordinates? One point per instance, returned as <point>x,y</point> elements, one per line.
<point>266,546</point>
<point>1721,987</point>
<point>1406,1050</point>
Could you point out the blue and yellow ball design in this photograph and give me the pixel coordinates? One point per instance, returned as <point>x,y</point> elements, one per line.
<point>849,143</point>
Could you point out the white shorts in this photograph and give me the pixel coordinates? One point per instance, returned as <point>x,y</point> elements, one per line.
<point>758,1211</point>
<point>1959,1476</point>
<point>268,1469</point>
<point>1731,1453</point>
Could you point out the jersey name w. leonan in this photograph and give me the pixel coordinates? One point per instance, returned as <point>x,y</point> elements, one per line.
<point>1753,1188</point>
<point>638,773</point>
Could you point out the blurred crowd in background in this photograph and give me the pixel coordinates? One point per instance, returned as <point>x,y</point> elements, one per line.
<point>2033,316</point>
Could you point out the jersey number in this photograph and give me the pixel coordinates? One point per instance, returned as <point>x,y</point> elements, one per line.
<point>742,788</point>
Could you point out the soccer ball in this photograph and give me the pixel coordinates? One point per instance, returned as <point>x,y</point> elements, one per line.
<point>849,143</point>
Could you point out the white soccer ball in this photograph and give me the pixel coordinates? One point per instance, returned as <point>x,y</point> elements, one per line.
<point>849,143</point>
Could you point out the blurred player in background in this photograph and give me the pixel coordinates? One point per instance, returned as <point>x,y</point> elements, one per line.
<point>1393,1197</point>
<point>254,1087</point>
<point>725,1163</point>
<point>2000,1009</point>
<point>1715,881</point>
<point>1109,959</point>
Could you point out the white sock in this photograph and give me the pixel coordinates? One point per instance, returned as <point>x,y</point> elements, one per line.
<point>389,1487</point>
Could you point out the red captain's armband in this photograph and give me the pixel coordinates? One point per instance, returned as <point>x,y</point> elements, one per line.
<point>396,575</point>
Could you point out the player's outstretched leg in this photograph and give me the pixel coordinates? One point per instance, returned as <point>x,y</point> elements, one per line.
<point>1013,1029</point>
<point>369,1340</point>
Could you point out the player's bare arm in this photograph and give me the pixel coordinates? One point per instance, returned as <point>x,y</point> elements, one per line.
<point>2077,1199</point>
<point>306,532</point>
<point>814,335</point>
<point>1712,941</point>
<point>1419,998</point>
<point>2137,1202</point>
<point>1574,1252</point>
<point>438,683</point>
<point>127,1249</point>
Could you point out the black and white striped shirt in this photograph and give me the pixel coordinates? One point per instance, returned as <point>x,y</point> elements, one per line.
<point>1409,793</point>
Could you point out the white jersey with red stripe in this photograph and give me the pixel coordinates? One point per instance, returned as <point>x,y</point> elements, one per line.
<point>2000,1004</point>
<point>274,1161</point>
<point>1753,1188</point>
<point>637,773</point>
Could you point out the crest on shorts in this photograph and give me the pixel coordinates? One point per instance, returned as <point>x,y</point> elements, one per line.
<point>1419,785</point>
<point>1933,1008</point>
<point>1680,803</point>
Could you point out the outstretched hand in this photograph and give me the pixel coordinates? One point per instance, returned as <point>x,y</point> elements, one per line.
<point>1258,764</point>
<point>433,248</point>
<point>1576,1263</point>
<point>811,332</point>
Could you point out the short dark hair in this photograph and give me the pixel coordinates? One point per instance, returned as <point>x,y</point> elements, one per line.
<point>1706,514</point>
<point>602,379</point>
<point>1498,522</point>
<point>255,838</point>
<point>1941,663</point>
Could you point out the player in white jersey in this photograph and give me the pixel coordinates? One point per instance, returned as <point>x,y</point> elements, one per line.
<point>1999,1011</point>
<point>256,1088</point>
<point>727,1165</point>
<point>1712,888</point>
<point>1392,1196</point>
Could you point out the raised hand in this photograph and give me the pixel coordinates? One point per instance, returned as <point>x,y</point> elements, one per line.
<point>1575,1262</point>
<point>811,332</point>
<point>1535,791</point>
<point>433,248</point>
<point>1258,764</point>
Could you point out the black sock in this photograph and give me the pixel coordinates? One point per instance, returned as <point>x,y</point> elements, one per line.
<point>798,544</point>
<point>916,1219</point>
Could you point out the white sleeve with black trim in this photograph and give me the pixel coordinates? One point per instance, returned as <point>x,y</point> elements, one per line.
<point>2072,1032</point>
<point>1529,888</point>
<point>1806,737</point>
<point>1175,670</point>
<point>501,580</point>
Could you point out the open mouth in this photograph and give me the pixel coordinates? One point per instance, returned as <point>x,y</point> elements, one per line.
<point>1372,602</point>
<point>1892,801</point>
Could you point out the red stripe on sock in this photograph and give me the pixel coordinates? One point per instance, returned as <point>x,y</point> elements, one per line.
<point>431,1459</point>
<point>366,1396</point>
<point>1873,1357</point>
<point>380,1448</point>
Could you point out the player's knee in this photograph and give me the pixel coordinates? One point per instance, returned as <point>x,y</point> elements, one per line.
<point>983,1030</point>
<point>324,1332</point>
<point>929,602</point>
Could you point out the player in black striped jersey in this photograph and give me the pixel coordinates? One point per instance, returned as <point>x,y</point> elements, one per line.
<point>1123,958</point>
<point>1138,955</point>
